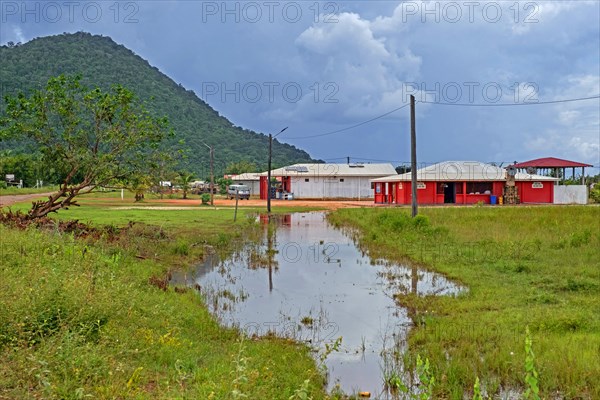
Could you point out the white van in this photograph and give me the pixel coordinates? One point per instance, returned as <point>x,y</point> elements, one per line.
<point>242,191</point>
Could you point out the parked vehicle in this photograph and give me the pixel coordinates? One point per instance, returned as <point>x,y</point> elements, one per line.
<point>242,191</point>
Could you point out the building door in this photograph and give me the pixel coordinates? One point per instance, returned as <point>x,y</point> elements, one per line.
<point>449,192</point>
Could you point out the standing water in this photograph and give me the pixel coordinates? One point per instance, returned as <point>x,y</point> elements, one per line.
<point>309,281</point>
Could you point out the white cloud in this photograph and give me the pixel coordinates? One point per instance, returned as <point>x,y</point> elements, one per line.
<point>359,59</point>
<point>19,37</point>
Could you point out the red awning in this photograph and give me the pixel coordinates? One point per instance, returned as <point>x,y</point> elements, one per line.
<point>550,162</point>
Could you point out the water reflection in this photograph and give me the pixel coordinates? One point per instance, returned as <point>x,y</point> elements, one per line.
<point>308,281</point>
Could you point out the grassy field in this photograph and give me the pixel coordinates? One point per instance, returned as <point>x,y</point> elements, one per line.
<point>14,190</point>
<point>523,266</point>
<point>88,318</point>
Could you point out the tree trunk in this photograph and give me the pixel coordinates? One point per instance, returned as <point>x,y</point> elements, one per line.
<point>42,208</point>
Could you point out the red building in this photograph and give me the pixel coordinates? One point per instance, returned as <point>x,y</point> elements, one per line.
<point>462,182</point>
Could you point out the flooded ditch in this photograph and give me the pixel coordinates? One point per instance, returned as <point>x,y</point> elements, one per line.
<point>308,281</point>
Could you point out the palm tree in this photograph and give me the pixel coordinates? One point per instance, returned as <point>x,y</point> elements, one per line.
<point>185,179</point>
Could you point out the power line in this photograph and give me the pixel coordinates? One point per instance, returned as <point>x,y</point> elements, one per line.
<point>350,127</point>
<point>446,104</point>
<point>509,104</point>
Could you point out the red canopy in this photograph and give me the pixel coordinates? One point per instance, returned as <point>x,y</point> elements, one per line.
<point>550,162</point>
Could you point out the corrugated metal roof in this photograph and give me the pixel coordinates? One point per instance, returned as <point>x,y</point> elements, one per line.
<point>462,171</point>
<point>317,170</point>
<point>550,162</point>
<point>246,176</point>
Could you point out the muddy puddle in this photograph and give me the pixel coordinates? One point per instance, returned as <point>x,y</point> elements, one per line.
<point>308,281</point>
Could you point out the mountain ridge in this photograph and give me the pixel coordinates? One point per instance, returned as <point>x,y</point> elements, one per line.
<point>102,62</point>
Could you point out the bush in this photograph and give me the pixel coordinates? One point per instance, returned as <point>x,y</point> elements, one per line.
<point>205,198</point>
<point>595,193</point>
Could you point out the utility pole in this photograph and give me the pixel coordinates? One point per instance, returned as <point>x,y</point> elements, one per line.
<point>212,174</point>
<point>269,175</point>
<point>413,156</point>
<point>269,170</point>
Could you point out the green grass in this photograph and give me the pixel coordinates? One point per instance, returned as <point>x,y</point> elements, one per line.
<point>107,208</point>
<point>79,318</point>
<point>523,266</point>
<point>11,190</point>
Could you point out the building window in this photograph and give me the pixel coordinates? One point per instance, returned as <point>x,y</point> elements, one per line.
<point>421,185</point>
<point>537,185</point>
<point>372,185</point>
<point>341,179</point>
<point>479,187</point>
<point>305,179</point>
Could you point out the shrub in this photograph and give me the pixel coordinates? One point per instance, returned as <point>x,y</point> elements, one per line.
<point>205,198</point>
<point>595,193</point>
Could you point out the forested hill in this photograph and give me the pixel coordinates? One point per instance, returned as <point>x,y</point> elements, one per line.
<point>102,62</point>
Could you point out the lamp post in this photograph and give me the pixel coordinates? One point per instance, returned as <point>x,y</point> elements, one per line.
<point>212,175</point>
<point>269,169</point>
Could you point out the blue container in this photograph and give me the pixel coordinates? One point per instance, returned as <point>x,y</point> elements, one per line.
<point>493,200</point>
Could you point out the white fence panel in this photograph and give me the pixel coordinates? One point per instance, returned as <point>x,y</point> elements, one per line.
<point>570,194</point>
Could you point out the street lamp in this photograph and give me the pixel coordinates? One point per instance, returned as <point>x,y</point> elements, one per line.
<point>269,170</point>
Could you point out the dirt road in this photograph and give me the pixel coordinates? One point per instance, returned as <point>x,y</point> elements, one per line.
<point>327,204</point>
<point>175,203</point>
<point>17,198</point>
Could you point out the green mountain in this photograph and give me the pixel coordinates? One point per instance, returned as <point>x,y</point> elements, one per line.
<point>102,62</point>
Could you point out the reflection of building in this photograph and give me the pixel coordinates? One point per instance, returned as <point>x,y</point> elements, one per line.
<point>325,181</point>
<point>462,182</point>
<point>250,179</point>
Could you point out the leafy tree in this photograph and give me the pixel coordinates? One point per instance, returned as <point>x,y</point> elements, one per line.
<point>89,136</point>
<point>185,179</point>
<point>139,183</point>
<point>223,183</point>
<point>236,168</point>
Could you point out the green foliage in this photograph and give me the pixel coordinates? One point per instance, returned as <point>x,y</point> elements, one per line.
<point>90,137</point>
<point>79,318</point>
<point>205,198</point>
<point>25,166</point>
<point>184,180</point>
<point>104,63</point>
<point>426,379</point>
<point>532,391</point>
<point>222,184</point>
<point>477,390</point>
<point>302,393</point>
<point>240,377</point>
<point>236,168</point>
<point>595,193</point>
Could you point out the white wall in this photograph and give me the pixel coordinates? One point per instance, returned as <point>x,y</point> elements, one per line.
<point>331,188</point>
<point>253,185</point>
<point>570,194</point>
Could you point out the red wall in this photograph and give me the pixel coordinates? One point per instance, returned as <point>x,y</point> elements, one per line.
<point>263,187</point>
<point>400,193</point>
<point>529,194</point>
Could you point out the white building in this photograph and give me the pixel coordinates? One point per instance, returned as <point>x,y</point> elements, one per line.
<point>327,181</point>
<point>250,179</point>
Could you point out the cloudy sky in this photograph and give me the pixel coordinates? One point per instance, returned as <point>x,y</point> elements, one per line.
<point>321,67</point>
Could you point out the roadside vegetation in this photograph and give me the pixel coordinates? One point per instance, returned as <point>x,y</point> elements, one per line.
<point>87,311</point>
<point>535,268</point>
<point>13,190</point>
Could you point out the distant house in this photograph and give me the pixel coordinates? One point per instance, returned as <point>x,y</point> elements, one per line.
<point>462,182</point>
<point>250,179</point>
<point>326,181</point>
